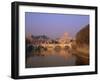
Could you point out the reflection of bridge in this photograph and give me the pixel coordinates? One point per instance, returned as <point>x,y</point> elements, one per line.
<point>56,45</point>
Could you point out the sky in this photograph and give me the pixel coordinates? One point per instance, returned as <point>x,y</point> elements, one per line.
<point>54,25</point>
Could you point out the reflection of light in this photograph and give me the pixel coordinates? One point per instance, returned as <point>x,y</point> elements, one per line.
<point>63,53</point>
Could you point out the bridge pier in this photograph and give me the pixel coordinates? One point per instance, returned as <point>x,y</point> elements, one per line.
<point>55,45</point>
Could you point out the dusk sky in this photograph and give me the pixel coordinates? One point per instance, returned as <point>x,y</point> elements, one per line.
<point>54,25</point>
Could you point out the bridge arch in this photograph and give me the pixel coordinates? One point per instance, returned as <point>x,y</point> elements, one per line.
<point>66,47</point>
<point>56,46</point>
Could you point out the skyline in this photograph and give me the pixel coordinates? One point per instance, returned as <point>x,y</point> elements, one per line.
<point>54,25</point>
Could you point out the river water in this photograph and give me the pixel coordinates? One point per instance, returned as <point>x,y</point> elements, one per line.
<point>50,58</point>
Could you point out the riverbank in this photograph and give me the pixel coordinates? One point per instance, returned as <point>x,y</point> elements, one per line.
<point>82,56</point>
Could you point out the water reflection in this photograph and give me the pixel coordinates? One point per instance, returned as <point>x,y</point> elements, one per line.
<point>50,58</point>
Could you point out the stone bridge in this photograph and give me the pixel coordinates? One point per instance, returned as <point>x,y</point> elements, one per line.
<point>56,45</point>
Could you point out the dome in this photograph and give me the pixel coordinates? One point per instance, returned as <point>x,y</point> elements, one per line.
<point>64,38</point>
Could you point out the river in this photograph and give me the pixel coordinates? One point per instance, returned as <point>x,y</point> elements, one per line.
<point>50,58</point>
